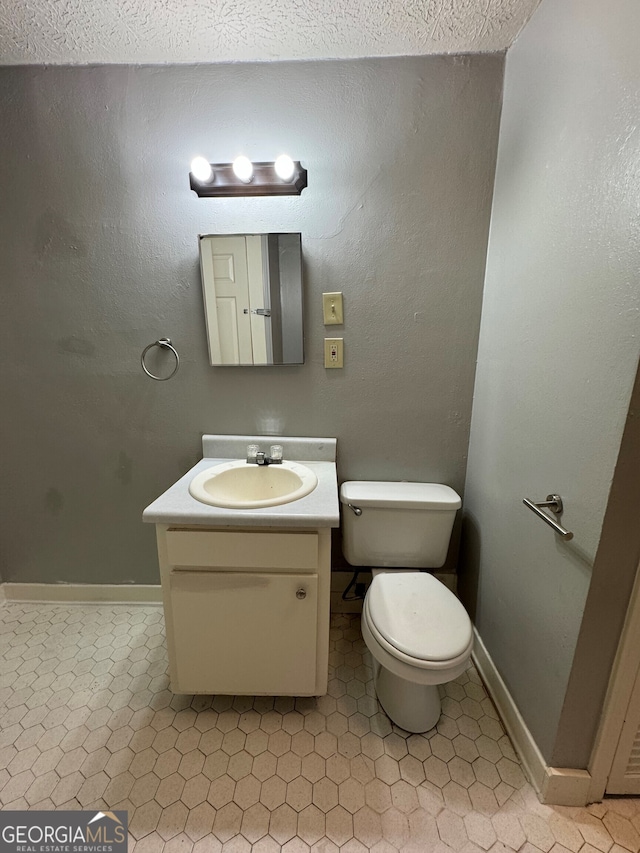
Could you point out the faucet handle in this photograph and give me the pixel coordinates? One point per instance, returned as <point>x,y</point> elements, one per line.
<point>252,452</point>
<point>275,452</point>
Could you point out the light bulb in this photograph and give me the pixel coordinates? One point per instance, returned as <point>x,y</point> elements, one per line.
<point>284,167</point>
<point>243,169</point>
<point>201,170</point>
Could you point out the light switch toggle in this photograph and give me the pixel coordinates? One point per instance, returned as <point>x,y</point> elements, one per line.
<point>333,352</point>
<point>332,310</point>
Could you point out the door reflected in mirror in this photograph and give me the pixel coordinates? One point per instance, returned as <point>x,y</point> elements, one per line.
<point>252,287</point>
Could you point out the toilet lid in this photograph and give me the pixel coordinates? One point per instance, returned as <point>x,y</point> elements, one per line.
<point>418,615</point>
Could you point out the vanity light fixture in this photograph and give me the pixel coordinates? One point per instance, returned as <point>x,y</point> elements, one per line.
<point>244,178</point>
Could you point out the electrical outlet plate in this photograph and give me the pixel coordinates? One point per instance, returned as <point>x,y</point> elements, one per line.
<point>333,352</point>
<point>332,310</point>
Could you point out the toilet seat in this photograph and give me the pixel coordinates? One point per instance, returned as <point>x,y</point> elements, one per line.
<point>414,669</point>
<point>418,620</point>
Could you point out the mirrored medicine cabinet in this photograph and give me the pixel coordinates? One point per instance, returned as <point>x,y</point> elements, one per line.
<point>252,288</point>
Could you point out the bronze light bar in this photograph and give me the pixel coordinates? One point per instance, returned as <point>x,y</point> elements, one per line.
<point>265,181</point>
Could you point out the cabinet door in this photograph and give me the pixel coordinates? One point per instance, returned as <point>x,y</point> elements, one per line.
<point>239,632</point>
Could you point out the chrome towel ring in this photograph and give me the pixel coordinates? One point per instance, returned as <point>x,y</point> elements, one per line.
<point>164,343</point>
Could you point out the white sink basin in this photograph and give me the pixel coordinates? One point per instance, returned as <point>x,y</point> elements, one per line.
<point>239,485</point>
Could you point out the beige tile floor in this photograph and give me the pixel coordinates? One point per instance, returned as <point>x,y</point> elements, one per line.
<point>88,722</point>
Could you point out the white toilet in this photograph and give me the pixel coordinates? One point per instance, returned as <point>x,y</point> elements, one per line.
<point>416,629</point>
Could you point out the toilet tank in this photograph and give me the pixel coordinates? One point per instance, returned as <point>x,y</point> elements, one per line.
<point>400,524</point>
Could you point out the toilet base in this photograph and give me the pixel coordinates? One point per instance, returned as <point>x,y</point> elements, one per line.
<point>413,707</point>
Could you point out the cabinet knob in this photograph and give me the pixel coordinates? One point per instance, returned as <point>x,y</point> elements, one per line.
<point>301,593</point>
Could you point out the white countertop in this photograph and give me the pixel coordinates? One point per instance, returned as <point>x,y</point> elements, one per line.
<point>320,508</point>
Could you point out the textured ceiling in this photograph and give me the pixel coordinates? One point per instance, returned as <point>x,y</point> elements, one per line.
<point>158,31</point>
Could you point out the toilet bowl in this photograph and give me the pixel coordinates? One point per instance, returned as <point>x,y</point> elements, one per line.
<point>420,635</point>
<point>417,631</point>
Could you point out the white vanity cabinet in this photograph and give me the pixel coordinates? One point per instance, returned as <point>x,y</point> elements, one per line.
<point>246,610</point>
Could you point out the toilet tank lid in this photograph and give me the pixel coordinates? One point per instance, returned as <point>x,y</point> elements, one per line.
<point>433,496</point>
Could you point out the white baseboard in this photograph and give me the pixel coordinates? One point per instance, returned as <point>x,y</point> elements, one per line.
<point>561,786</point>
<point>567,786</point>
<point>82,593</point>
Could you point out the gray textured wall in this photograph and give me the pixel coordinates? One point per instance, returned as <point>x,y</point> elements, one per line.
<point>98,258</point>
<point>557,355</point>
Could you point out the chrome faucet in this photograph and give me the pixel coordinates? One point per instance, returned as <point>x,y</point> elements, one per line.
<point>255,456</point>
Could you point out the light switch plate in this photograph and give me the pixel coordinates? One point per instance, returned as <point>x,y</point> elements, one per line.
<point>333,352</point>
<point>332,308</point>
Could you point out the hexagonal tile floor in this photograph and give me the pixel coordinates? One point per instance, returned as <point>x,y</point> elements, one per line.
<point>88,722</point>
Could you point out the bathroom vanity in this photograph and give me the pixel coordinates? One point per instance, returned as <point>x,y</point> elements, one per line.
<point>246,591</point>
